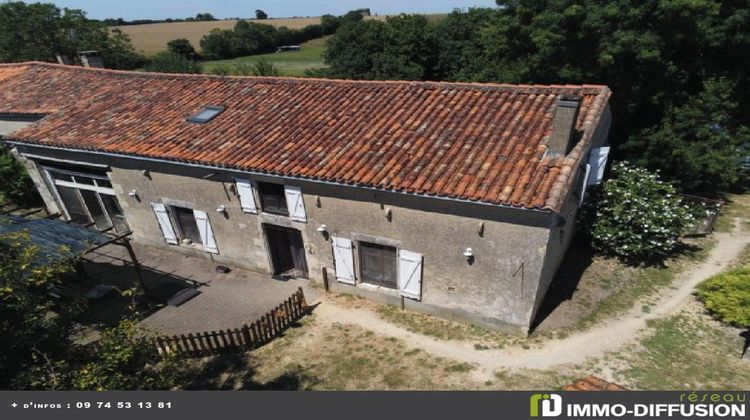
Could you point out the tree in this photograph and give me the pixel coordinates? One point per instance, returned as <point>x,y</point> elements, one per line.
<point>204,17</point>
<point>15,183</point>
<point>219,44</point>
<point>125,359</point>
<point>32,338</point>
<point>400,48</point>
<point>636,216</point>
<point>696,137</point>
<point>40,31</point>
<point>182,47</point>
<point>169,62</point>
<point>260,15</point>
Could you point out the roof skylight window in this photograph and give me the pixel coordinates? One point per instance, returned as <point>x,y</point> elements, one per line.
<point>206,114</point>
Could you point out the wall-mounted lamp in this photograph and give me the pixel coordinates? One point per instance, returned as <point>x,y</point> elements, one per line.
<point>388,214</point>
<point>469,255</point>
<point>133,193</point>
<point>317,202</point>
<point>323,229</point>
<point>221,209</point>
<point>480,230</point>
<point>146,173</point>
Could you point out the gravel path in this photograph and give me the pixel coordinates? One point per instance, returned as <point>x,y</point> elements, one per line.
<point>595,342</point>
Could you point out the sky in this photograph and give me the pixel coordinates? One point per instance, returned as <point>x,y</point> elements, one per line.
<point>161,9</point>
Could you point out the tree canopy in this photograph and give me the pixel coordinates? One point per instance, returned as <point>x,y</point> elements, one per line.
<point>40,31</point>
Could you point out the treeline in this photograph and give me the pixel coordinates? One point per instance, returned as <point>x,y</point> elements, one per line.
<point>678,72</point>
<point>200,17</point>
<point>248,38</point>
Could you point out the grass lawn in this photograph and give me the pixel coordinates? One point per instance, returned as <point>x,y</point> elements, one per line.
<point>686,351</point>
<point>291,63</point>
<point>343,357</point>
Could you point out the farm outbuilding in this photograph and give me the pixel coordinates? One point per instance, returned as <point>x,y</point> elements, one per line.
<point>454,199</point>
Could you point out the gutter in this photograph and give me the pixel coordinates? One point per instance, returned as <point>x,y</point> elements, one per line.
<point>257,173</point>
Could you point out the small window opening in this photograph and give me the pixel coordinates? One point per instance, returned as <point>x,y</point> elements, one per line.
<point>272,198</point>
<point>187,228</point>
<point>206,114</point>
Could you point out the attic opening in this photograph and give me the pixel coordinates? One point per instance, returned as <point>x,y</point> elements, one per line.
<point>206,114</point>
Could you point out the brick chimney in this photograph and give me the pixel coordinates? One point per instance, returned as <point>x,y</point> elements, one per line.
<point>563,135</point>
<point>91,59</point>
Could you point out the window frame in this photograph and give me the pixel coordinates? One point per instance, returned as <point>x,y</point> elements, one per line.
<point>360,266</point>
<point>177,226</point>
<point>48,172</point>
<point>263,203</point>
<point>197,119</point>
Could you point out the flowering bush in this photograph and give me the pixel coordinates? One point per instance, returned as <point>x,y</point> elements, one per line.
<point>638,217</point>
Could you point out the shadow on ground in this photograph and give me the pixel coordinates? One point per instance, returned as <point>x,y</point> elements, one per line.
<point>565,283</point>
<point>160,286</point>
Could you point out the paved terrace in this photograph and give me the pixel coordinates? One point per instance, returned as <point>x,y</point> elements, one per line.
<point>226,300</point>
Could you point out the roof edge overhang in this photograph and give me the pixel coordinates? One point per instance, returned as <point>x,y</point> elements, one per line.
<point>29,143</point>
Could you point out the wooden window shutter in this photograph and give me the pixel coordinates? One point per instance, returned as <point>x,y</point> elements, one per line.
<point>343,257</point>
<point>247,198</point>
<point>165,223</point>
<point>295,203</point>
<point>204,229</point>
<point>410,274</point>
<point>585,183</point>
<point>598,162</point>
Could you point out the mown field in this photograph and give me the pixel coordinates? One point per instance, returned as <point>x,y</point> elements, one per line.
<point>291,63</point>
<point>153,37</point>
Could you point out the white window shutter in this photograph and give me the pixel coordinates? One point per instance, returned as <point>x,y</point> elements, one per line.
<point>343,257</point>
<point>165,223</point>
<point>410,274</point>
<point>204,229</point>
<point>295,204</point>
<point>247,198</point>
<point>598,162</point>
<point>585,183</point>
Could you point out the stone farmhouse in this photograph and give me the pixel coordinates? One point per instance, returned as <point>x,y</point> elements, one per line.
<point>454,199</point>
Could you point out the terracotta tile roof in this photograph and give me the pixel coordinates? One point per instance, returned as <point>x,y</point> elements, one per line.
<point>476,142</point>
<point>592,383</point>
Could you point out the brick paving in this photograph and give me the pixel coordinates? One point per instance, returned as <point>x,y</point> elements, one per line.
<point>225,300</point>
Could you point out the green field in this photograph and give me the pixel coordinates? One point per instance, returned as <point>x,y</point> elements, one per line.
<point>291,63</point>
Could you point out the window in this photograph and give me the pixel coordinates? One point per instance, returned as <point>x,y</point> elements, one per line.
<point>272,198</point>
<point>206,114</point>
<point>187,228</point>
<point>87,197</point>
<point>378,264</point>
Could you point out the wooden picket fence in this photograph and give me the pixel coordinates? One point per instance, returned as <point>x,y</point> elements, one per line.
<point>248,337</point>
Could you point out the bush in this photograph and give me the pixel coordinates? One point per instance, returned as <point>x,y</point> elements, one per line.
<point>636,216</point>
<point>727,297</point>
<point>220,70</point>
<point>182,47</point>
<point>264,68</point>
<point>169,62</point>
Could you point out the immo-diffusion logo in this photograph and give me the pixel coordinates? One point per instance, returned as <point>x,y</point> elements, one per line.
<point>551,405</point>
<point>713,405</point>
